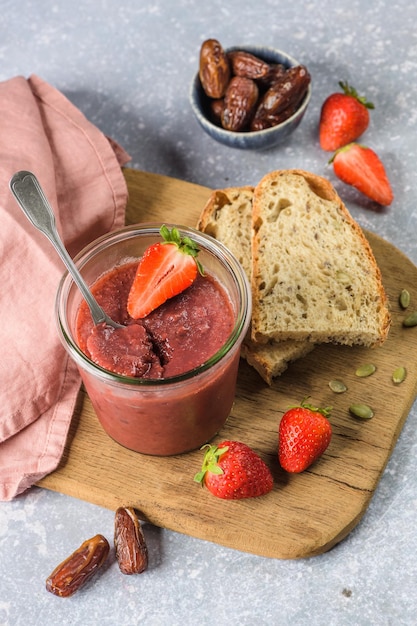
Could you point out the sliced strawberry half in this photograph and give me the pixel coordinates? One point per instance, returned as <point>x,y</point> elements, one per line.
<point>362,168</point>
<point>166,269</point>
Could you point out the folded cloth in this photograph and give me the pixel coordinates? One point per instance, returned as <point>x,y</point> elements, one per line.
<point>79,169</point>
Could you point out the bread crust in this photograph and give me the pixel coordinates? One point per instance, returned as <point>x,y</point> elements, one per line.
<point>220,198</point>
<point>272,359</point>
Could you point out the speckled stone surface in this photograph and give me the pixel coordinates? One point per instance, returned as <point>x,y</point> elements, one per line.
<point>128,68</point>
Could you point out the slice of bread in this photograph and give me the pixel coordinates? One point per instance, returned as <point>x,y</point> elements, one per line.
<point>314,275</point>
<point>227,216</point>
<point>273,358</point>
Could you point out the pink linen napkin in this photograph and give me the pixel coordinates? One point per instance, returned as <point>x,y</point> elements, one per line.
<point>80,171</point>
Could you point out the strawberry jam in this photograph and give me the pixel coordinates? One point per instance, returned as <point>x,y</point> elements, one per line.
<point>178,336</point>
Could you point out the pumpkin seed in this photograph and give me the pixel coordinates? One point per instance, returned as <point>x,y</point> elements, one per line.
<point>404,298</point>
<point>337,386</point>
<point>411,320</point>
<point>399,375</point>
<point>365,370</point>
<point>363,411</point>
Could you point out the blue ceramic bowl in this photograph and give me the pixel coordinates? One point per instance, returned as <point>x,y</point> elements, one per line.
<point>258,140</point>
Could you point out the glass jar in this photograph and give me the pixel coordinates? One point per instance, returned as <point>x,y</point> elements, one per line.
<point>163,416</point>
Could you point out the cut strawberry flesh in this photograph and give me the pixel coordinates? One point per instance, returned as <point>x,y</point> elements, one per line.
<point>163,272</point>
<point>360,167</point>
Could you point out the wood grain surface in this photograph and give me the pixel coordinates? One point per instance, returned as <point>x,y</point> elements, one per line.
<point>305,514</point>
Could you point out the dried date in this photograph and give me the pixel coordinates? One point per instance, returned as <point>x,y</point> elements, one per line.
<point>263,120</point>
<point>216,109</point>
<point>240,102</point>
<point>214,69</point>
<point>286,91</point>
<point>268,121</point>
<point>79,567</point>
<point>247,65</point>
<point>129,542</point>
<point>275,73</point>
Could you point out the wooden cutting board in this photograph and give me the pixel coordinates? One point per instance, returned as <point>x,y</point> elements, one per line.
<point>305,514</point>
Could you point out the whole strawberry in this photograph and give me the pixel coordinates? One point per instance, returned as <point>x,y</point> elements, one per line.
<point>304,434</point>
<point>343,118</point>
<point>233,471</point>
<point>362,168</point>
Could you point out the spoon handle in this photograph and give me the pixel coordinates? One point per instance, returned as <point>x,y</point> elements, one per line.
<point>29,195</point>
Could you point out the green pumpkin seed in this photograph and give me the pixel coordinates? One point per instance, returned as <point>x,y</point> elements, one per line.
<point>404,298</point>
<point>365,370</point>
<point>337,386</point>
<point>399,375</point>
<point>363,411</point>
<point>411,320</point>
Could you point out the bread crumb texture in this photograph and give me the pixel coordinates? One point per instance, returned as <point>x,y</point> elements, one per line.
<point>228,218</point>
<point>314,273</point>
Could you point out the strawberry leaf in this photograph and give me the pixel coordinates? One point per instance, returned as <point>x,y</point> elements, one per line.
<point>184,244</point>
<point>325,411</point>
<point>351,91</point>
<point>210,462</point>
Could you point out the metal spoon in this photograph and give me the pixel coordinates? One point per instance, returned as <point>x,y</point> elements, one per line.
<point>30,197</point>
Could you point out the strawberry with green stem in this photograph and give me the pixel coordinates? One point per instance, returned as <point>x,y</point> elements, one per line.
<point>343,118</point>
<point>304,434</point>
<point>166,269</point>
<point>232,471</point>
